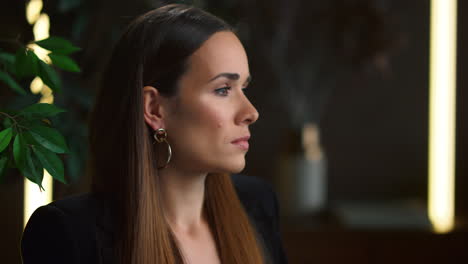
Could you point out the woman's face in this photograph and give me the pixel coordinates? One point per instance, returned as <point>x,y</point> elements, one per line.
<point>208,120</point>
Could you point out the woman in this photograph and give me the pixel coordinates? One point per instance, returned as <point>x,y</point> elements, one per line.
<point>171,122</point>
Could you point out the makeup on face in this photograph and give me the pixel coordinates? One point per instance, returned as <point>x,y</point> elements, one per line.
<point>211,127</point>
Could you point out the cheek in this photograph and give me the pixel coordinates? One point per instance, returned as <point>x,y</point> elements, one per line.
<point>203,119</point>
<point>218,120</point>
<point>210,116</point>
<point>214,121</point>
<point>202,122</point>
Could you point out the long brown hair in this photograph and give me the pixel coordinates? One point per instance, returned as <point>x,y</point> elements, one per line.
<point>155,49</point>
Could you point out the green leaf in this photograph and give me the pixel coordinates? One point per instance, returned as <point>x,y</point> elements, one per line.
<point>19,151</point>
<point>5,138</point>
<point>30,121</point>
<point>3,162</point>
<point>41,110</point>
<point>8,60</point>
<point>34,170</point>
<point>29,139</point>
<point>64,62</point>
<point>49,76</point>
<point>26,63</point>
<point>57,45</point>
<point>25,161</point>
<point>7,122</point>
<point>8,80</point>
<point>3,165</point>
<point>49,138</point>
<point>51,162</point>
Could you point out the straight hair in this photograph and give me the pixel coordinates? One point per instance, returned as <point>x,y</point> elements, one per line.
<point>154,50</point>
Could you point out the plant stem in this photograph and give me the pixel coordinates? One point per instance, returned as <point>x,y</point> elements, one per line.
<point>9,116</point>
<point>15,123</point>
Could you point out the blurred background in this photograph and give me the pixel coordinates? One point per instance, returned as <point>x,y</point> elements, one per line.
<point>342,87</point>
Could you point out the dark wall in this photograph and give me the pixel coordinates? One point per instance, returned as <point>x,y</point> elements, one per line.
<point>462,113</point>
<point>374,128</point>
<point>12,25</point>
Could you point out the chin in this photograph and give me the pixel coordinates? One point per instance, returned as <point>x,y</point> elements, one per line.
<point>234,167</point>
<point>237,170</point>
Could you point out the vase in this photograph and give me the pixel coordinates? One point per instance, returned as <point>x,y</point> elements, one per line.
<point>302,179</point>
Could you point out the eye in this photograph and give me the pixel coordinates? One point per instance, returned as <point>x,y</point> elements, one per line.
<point>223,91</point>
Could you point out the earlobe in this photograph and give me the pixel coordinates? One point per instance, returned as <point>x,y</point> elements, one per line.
<point>152,107</point>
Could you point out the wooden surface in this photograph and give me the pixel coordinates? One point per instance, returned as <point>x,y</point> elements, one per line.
<point>374,247</point>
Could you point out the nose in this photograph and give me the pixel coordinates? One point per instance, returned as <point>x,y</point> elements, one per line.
<point>248,114</point>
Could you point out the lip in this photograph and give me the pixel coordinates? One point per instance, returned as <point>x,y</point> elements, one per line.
<point>246,138</point>
<point>242,142</point>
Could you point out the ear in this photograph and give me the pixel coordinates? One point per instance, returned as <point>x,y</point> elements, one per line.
<point>153,107</point>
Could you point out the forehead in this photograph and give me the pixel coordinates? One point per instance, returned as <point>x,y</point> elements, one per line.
<point>222,52</point>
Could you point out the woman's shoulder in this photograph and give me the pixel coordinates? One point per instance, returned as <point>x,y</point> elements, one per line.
<point>261,204</point>
<point>249,183</point>
<point>66,226</point>
<point>250,186</point>
<point>81,205</point>
<point>255,194</point>
<point>79,209</point>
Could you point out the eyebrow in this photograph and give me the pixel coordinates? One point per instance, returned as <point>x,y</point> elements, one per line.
<point>231,76</point>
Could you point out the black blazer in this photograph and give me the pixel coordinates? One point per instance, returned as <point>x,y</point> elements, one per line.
<point>79,229</point>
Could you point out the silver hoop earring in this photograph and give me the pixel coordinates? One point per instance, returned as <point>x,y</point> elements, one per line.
<point>160,136</point>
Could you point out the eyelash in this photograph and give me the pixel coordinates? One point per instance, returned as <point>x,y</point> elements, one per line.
<point>224,91</point>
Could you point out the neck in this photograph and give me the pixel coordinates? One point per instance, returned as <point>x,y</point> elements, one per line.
<point>182,197</point>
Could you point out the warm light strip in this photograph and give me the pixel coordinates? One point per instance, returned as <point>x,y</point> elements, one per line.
<point>41,31</point>
<point>33,197</point>
<point>441,189</point>
<point>33,11</point>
